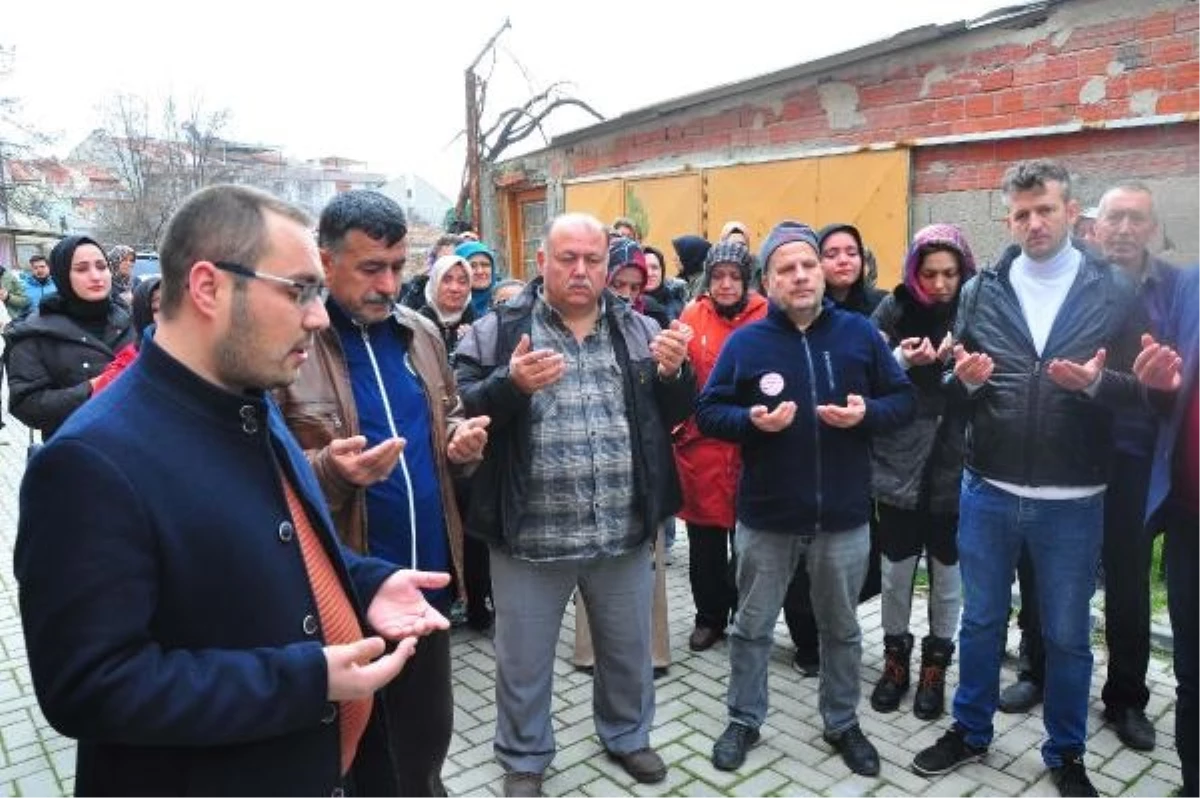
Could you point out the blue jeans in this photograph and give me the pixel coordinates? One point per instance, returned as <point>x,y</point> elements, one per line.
<point>766,562</point>
<point>1064,539</point>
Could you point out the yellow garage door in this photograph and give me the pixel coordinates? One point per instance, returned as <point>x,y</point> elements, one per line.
<point>760,196</point>
<point>603,199</point>
<point>665,208</point>
<point>866,189</point>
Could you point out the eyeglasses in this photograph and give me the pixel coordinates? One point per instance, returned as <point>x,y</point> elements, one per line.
<point>303,292</point>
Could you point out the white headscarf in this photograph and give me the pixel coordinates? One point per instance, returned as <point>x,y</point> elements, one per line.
<point>441,267</point>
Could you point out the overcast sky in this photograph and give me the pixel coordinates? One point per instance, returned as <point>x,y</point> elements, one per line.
<point>382,82</point>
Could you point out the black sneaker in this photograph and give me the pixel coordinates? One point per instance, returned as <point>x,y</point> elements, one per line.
<point>856,750</point>
<point>1133,727</point>
<point>947,754</point>
<point>729,752</point>
<point>1071,778</point>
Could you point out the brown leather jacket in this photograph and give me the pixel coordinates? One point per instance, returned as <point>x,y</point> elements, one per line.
<point>319,406</point>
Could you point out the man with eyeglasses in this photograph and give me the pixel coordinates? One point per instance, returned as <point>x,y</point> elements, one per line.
<point>190,617</point>
<point>376,410</point>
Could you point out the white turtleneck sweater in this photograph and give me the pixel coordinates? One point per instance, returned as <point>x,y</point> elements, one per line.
<point>1041,288</point>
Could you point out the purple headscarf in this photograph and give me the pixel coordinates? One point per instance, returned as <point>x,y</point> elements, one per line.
<point>936,236</point>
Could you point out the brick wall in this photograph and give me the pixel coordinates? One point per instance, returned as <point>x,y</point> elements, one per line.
<point>1090,62</point>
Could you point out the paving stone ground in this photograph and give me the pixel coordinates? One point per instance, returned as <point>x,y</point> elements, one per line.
<point>791,760</point>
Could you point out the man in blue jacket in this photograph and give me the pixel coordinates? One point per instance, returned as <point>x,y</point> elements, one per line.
<point>801,391</point>
<point>1034,336</point>
<point>189,615</point>
<point>1173,500</point>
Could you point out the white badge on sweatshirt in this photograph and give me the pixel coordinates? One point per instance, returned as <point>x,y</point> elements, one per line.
<point>771,384</point>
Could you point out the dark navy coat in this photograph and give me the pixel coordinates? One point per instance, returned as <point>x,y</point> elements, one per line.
<point>1180,331</point>
<point>167,612</point>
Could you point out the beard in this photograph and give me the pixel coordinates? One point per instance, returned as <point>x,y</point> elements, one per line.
<point>241,362</point>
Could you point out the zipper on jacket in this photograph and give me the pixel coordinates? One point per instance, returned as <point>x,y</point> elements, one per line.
<point>812,391</point>
<point>1031,420</point>
<point>829,372</point>
<point>387,409</point>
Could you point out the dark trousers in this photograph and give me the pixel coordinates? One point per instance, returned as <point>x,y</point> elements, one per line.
<point>797,604</point>
<point>477,580</point>
<point>1032,665</point>
<point>711,566</point>
<point>1181,552</point>
<point>1126,557</point>
<point>1128,552</point>
<point>477,569</point>
<point>420,713</point>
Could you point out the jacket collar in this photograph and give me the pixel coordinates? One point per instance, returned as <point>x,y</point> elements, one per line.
<point>248,412</point>
<point>780,318</point>
<point>1090,267</point>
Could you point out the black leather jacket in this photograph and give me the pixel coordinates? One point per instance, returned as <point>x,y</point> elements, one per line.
<point>1024,428</point>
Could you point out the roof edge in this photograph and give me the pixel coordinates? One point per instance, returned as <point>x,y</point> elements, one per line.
<point>914,37</point>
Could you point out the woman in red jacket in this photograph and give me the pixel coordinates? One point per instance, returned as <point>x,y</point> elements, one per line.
<point>709,468</point>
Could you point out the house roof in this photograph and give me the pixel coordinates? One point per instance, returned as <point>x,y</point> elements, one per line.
<point>1009,16</point>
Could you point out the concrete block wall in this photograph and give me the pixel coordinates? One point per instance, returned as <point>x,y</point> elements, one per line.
<point>960,183</point>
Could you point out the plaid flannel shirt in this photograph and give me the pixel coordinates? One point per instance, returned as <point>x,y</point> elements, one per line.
<point>581,498</point>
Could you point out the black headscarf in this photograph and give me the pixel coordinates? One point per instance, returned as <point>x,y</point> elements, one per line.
<point>141,306</point>
<point>67,301</point>
<point>691,251</point>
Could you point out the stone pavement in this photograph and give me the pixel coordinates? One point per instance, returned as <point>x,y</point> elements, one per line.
<point>791,760</point>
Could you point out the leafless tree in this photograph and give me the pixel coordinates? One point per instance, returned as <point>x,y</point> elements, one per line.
<point>156,168</point>
<point>22,201</point>
<point>509,127</point>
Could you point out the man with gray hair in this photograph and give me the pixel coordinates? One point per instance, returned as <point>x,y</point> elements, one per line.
<point>578,475</point>
<point>1044,345</point>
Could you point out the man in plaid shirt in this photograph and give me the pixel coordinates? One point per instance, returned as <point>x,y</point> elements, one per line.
<point>583,392</point>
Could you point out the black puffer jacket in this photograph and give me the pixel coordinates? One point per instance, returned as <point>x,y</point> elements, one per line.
<point>653,408</point>
<point>50,360</point>
<point>920,464</point>
<point>1024,429</point>
<point>451,332</point>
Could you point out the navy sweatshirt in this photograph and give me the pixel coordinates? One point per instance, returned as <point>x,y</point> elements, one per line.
<point>810,477</point>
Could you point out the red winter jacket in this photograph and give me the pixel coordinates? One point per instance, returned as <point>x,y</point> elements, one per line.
<point>709,468</point>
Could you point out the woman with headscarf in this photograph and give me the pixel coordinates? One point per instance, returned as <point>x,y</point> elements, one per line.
<point>843,261</point>
<point>482,264</point>
<point>709,468</point>
<point>447,299</point>
<point>144,310</point>
<point>916,470</point>
<point>691,251</point>
<point>668,293</point>
<point>56,356</point>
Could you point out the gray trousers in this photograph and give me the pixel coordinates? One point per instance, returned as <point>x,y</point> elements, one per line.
<point>530,599</point>
<point>837,565</point>
<point>660,649</point>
